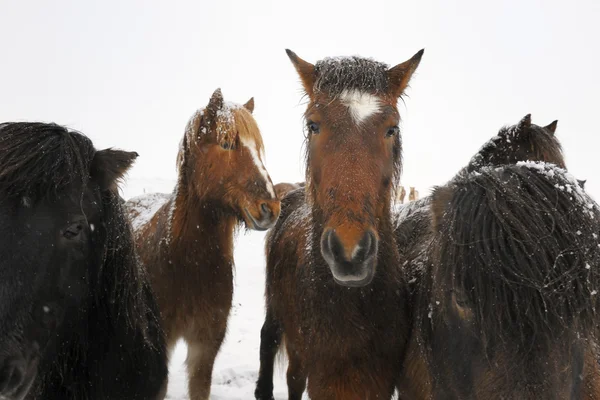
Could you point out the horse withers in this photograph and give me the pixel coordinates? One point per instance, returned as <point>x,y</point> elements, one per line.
<point>333,285</point>
<point>185,239</point>
<point>77,317</point>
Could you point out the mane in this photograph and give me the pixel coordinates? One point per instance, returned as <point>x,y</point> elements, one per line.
<point>521,243</point>
<point>504,148</point>
<point>121,276</point>
<point>337,74</point>
<point>39,160</point>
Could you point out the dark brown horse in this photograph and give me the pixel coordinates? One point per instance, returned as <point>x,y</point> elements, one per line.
<point>509,306</point>
<point>185,239</point>
<point>414,236</point>
<point>521,142</point>
<point>334,292</point>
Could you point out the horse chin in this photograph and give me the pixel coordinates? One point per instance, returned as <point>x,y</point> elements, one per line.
<point>355,276</point>
<point>254,224</point>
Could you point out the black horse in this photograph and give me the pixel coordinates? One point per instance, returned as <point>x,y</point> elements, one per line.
<point>77,317</point>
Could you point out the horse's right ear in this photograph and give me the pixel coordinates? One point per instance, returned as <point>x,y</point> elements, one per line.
<point>306,71</point>
<point>440,199</point>
<point>109,166</point>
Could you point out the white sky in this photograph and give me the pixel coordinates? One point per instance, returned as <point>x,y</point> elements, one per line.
<point>129,74</point>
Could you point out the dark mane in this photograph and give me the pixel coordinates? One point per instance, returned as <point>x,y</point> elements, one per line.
<point>524,237</point>
<point>38,159</point>
<point>336,74</point>
<point>521,142</point>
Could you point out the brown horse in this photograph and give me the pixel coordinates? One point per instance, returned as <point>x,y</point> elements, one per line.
<point>413,195</point>
<point>185,239</point>
<point>283,188</point>
<point>401,195</point>
<point>334,291</point>
<point>524,141</point>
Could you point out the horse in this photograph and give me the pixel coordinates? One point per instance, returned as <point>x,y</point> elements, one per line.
<point>333,286</point>
<point>520,142</point>
<point>413,195</point>
<point>401,195</point>
<point>78,319</point>
<point>514,143</point>
<point>185,239</point>
<point>511,304</point>
<point>283,188</point>
<point>414,233</point>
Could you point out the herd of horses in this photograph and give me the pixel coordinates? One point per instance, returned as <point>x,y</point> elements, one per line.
<point>485,289</point>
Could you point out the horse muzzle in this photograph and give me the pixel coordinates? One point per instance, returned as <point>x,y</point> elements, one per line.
<point>351,265</point>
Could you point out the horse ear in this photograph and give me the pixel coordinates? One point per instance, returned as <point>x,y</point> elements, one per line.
<point>215,104</point>
<point>109,166</point>
<point>250,105</point>
<point>582,183</point>
<point>306,71</point>
<point>440,199</point>
<point>525,122</point>
<point>552,127</point>
<point>400,75</point>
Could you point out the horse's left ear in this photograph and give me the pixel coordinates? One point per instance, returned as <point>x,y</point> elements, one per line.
<point>250,105</point>
<point>525,122</point>
<point>109,166</point>
<point>400,75</point>
<point>552,127</point>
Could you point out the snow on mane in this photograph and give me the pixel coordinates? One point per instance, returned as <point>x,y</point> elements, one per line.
<point>567,183</point>
<point>336,74</point>
<point>142,208</point>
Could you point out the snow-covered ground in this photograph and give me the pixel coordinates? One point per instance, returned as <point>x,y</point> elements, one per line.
<point>236,367</point>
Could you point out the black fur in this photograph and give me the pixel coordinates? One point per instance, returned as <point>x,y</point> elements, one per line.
<point>79,301</point>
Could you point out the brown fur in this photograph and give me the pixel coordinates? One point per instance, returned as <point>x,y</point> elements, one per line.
<point>347,340</point>
<point>283,188</point>
<point>190,257</point>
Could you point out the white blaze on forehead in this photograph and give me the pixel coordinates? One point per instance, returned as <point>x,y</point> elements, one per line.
<point>361,105</point>
<point>250,144</point>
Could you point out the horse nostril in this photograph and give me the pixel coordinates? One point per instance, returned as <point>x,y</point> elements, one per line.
<point>265,210</point>
<point>331,246</point>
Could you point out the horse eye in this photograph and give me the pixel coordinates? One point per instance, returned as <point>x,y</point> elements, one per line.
<point>313,127</point>
<point>227,146</point>
<point>394,130</point>
<point>73,231</point>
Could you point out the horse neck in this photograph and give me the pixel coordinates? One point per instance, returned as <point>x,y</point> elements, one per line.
<point>201,229</point>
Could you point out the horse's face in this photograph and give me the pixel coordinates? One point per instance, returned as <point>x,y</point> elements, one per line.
<point>353,157</point>
<point>228,162</point>
<point>49,250</point>
<point>521,142</point>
